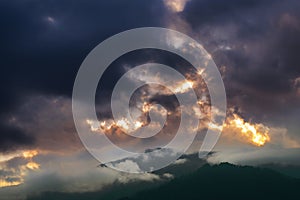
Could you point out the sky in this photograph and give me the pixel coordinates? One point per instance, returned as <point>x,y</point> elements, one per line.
<point>254,44</point>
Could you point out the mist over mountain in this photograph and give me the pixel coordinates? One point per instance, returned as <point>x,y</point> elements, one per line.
<point>197,180</point>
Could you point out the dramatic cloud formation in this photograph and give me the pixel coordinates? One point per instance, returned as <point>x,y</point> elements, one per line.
<point>15,167</point>
<point>255,44</point>
<point>257,134</point>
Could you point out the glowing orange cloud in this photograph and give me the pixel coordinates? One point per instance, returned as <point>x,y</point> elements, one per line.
<point>175,5</point>
<point>256,134</point>
<point>146,107</point>
<point>184,87</point>
<point>30,153</point>
<point>123,123</point>
<point>21,171</point>
<point>4,183</point>
<point>33,165</point>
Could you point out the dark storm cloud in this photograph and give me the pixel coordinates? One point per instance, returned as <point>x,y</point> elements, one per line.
<point>13,137</point>
<point>43,44</point>
<point>199,12</point>
<point>40,122</point>
<point>258,43</point>
<point>265,39</point>
<point>49,121</point>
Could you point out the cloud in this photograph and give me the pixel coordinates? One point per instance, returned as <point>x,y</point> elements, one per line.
<point>85,176</point>
<point>180,161</point>
<point>39,122</point>
<point>296,85</point>
<point>55,168</point>
<point>13,138</point>
<point>14,169</point>
<point>238,130</point>
<point>281,137</point>
<point>56,50</point>
<point>255,45</point>
<point>175,5</point>
<point>48,120</point>
<point>129,166</point>
<point>254,156</point>
<point>150,160</point>
<point>251,44</point>
<point>56,150</point>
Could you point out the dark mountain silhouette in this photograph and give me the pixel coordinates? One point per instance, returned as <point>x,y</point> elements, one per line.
<point>289,170</point>
<point>223,181</point>
<point>226,181</point>
<point>191,164</point>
